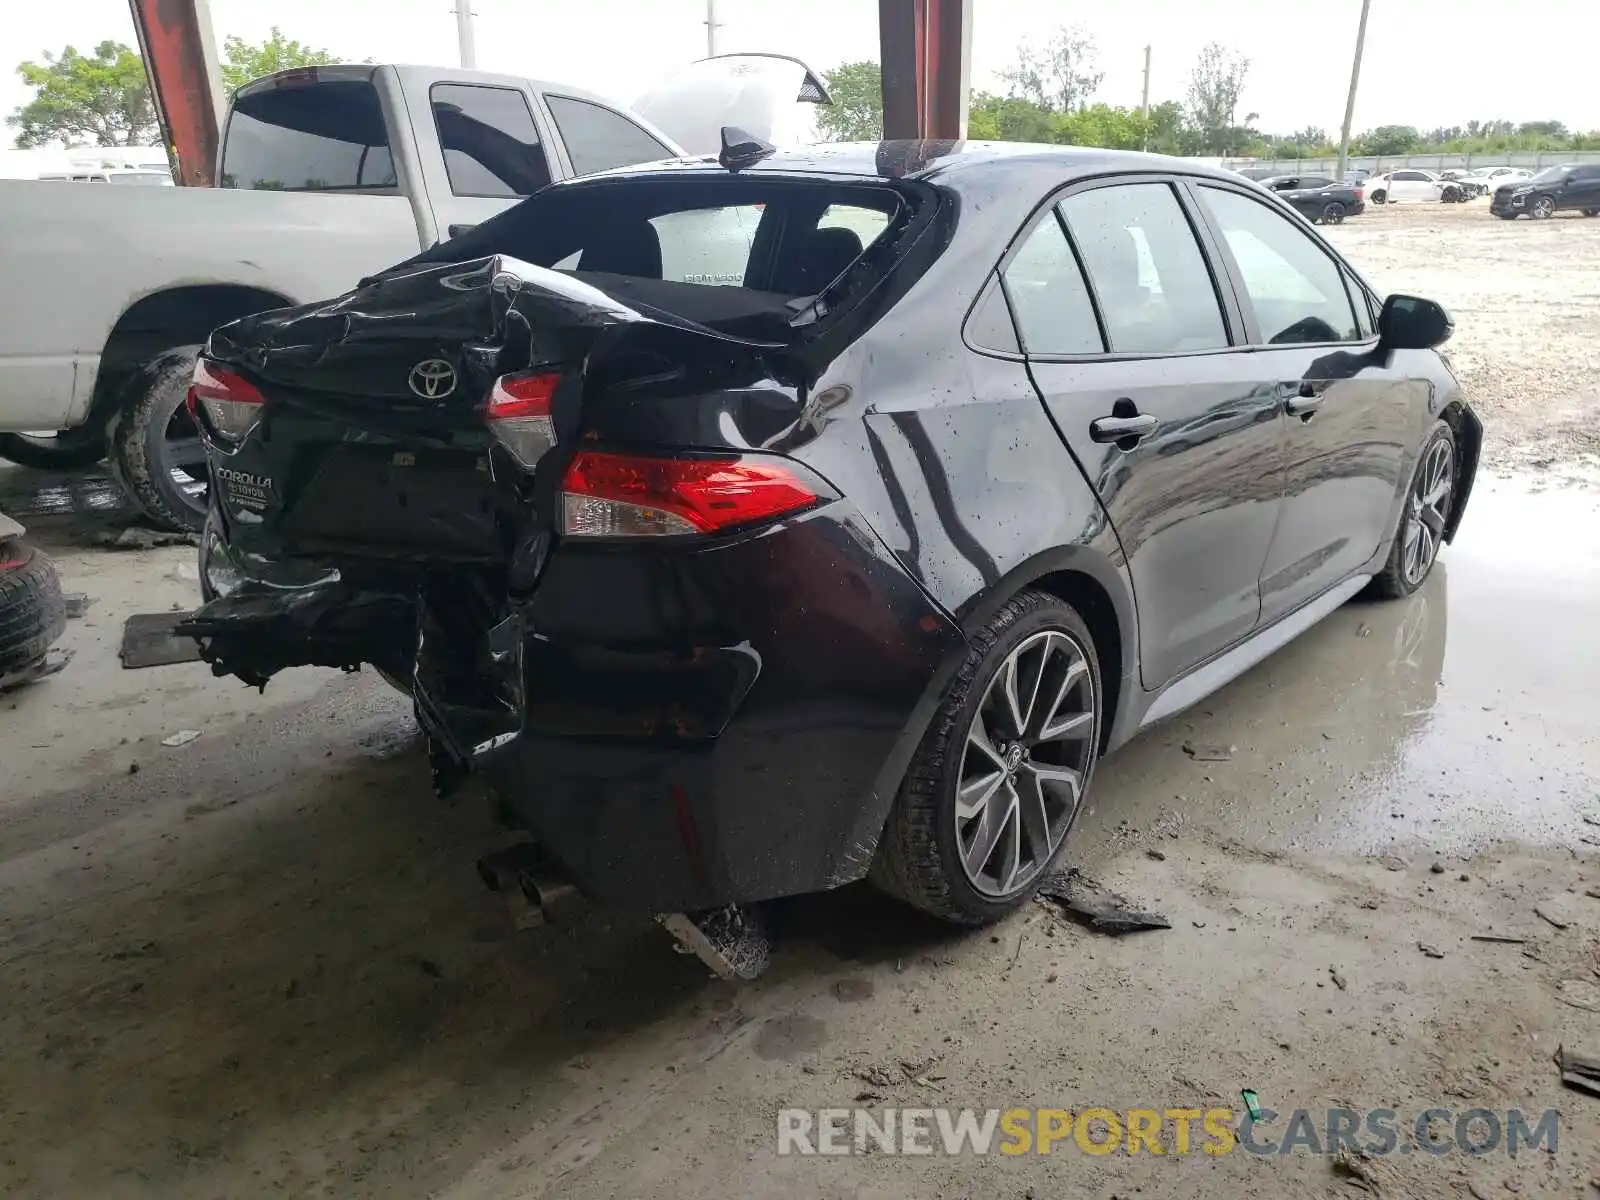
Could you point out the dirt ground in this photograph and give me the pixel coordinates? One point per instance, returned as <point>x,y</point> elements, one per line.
<point>261,963</point>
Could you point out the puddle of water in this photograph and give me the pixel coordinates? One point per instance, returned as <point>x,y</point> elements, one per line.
<point>1466,714</point>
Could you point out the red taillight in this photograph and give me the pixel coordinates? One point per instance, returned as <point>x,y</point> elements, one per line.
<point>622,495</point>
<point>518,413</point>
<point>232,403</point>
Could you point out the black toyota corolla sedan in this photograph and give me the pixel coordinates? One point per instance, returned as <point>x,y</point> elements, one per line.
<point>759,524</point>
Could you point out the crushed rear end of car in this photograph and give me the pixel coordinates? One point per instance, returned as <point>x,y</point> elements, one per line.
<point>571,510</point>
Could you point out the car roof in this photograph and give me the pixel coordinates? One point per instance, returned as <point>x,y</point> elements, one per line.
<point>947,161</point>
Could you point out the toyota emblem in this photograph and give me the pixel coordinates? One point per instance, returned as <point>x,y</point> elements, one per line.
<point>433,379</point>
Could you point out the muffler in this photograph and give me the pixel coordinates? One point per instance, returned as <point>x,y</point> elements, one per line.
<point>532,884</point>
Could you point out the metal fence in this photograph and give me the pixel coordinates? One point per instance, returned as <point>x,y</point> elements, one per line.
<point>1532,159</point>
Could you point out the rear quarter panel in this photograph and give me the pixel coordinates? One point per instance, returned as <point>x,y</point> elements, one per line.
<point>75,256</point>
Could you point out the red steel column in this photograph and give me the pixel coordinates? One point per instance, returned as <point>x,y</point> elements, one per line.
<point>181,60</point>
<point>924,46</point>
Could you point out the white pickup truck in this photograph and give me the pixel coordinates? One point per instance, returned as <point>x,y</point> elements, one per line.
<point>326,174</point>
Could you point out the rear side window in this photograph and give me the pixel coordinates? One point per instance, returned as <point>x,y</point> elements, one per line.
<point>1052,306</point>
<point>1296,290</point>
<point>490,143</point>
<point>321,137</point>
<point>598,139</point>
<point>1148,274</point>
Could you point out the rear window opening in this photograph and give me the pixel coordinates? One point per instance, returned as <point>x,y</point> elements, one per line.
<point>743,255</point>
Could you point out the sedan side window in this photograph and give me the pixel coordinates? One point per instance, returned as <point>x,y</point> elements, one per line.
<point>1052,306</point>
<point>1296,290</point>
<point>1149,276</point>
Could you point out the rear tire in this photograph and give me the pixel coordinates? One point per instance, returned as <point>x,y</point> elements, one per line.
<point>148,435</point>
<point>32,612</point>
<point>64,450</point>
<point>1333,213</point>
<point>1591,212</point>
<point>1379,197</point>
<point>932,853</point>
<point>1423,516</point>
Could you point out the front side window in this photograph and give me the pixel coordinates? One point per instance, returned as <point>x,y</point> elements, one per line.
<point>1149,275</point>
<point>490,143</point>
<point>598,139</point>
<point>321,137</point>
<point>1295,289</point>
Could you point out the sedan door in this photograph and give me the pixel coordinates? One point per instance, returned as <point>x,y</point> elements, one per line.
<point>1127,337</point>
<point>1351,412</point>
<point>1583,191</point>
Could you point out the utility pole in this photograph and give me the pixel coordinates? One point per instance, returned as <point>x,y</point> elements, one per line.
<point>1350,102</point>
<point>711,28</point>
<point>469,52</point>
<point>1144,104</point>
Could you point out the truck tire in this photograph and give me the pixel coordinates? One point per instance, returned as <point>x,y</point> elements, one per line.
<point>64,450</point>
<point>32,612</point>
<point>154,447</point>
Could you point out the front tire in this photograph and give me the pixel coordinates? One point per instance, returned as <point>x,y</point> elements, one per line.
<point>1423,517</point>
<point>1543,208</point>
<point>64,450</point>
<point>155,449</point>
<point>1333,213</point>
<point>1380,197</point>
<point>987,804</point>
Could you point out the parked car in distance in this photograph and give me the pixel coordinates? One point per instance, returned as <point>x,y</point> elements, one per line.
<point>1410,185</point>
<point>1483,180</point>
<point>1566,188</point>
<point>854,566</point>
<point>1321,200</point>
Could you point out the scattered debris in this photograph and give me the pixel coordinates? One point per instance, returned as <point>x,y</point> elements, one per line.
<point>1394,862</point>
<point>1158,855</point>
<point>852,991</point>
<point>1549,912</point>
<point>52,662</point>
<point>1430,951</point>
<point>732,941</point>
<point>1251,1103</point>
<point>869,1096</point>
<point>77,603</point>
<point>148,641</point>
<point>1437,868</point>
<point>1578,1071</point>
<point>876,1076</point>
<point>1369,904</point>
<point>1104,911</point>
<point>182,738</point>
<point>1206,752</point>
<point>1363,630</point>
<point>1495,937</point>
<point>1339,980</point>
<point>1593,893</point>
<point>1579,993</point>
<point>136,537</point>
<point>1358,1169</point>
<point>1588,820</point>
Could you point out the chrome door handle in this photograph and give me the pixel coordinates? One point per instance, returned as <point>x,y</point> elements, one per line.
<point>1114,429</point>
<point>1304,401</point>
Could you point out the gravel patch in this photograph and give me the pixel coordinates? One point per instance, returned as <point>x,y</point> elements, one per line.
<point>1525,296</point>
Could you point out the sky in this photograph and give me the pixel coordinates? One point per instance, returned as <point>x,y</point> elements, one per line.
<point>1428,62</point>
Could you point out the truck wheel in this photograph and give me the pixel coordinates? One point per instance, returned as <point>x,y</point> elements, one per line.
<point>32,613</point>
<point>64,450</point>
<point>987,804</point>
<point>155,450</point>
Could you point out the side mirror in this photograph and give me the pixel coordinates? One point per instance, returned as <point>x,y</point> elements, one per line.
<point>1412,323</point>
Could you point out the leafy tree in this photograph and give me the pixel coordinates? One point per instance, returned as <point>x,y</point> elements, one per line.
<point>1064,77</point>
<point>1389,140</point>
<point>1215,85</point>
<point>1543,129</point>
<point>242,62</point>
<point>104,99</point>
<point>856,114</point>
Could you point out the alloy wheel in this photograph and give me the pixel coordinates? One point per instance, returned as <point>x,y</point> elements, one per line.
<point>182,455</point>
<point>1427,509</point>
<point>1544,207</point>
<point>1333,214</point>
<point>1027,754</point>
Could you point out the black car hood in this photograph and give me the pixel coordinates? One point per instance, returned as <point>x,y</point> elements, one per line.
<point>486,318</point>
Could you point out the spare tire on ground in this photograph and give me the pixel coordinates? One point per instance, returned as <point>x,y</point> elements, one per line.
<point>32,612</point>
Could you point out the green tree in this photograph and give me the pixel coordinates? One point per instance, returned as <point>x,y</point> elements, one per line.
<point>1063,78</point>
<point>104,99</point>
<point>1389,140</point>
<point>242,62</point>
<point>856,114</point>
<point>1215,86</point>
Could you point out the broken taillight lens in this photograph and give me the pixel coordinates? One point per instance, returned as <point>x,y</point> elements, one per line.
<point>633,496</point>
<point>518,413</point>
<point>231,402</point>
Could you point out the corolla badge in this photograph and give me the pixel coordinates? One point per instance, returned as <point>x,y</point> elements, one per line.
<point>433,379</point>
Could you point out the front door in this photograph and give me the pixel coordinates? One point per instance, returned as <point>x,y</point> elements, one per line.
<point>1350,411</point>
<point>1128,343</point>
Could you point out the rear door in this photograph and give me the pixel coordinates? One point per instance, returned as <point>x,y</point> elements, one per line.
<point>1584,190</point>
<point>1129,341</point>
<point>1350,413</point>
